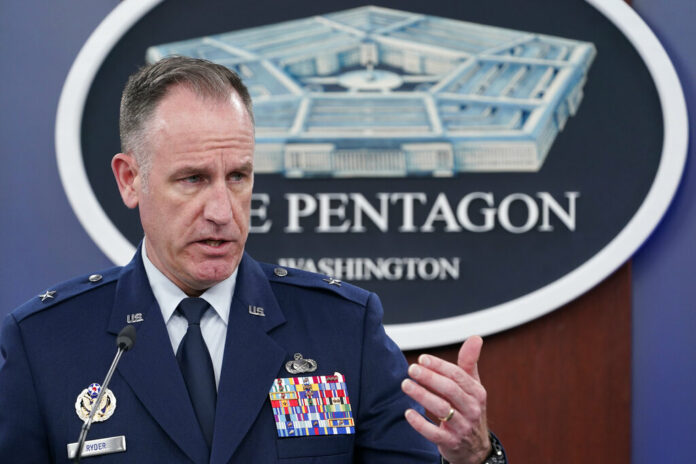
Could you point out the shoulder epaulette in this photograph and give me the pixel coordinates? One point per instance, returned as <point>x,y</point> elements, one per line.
<point>64,291</point>
<point>292,276</point>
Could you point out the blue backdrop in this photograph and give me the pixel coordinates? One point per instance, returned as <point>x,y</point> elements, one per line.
<point>43,243</point>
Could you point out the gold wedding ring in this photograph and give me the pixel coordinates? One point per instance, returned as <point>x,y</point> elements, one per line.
<point>448,416</point>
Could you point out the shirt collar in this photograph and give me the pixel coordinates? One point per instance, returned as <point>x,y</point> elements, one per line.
<point>168,295</point>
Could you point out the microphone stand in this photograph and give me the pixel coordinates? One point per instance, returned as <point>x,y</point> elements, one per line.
<point>123,346</point>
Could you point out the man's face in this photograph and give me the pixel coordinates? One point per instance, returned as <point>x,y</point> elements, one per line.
<point>195,206</point>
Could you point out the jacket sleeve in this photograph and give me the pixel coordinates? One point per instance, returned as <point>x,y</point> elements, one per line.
<point>22,432</point>
<point>384,436</point>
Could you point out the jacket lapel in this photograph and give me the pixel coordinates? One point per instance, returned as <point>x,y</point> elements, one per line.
<point>150,368</point>
<point>251,360</point>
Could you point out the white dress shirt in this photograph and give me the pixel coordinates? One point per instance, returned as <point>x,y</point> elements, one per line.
<point>213,323</point>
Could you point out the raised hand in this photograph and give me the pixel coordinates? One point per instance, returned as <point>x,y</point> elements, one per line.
<point>454,394</point>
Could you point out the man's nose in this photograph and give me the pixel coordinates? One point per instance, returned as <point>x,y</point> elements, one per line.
<point>218,204</point>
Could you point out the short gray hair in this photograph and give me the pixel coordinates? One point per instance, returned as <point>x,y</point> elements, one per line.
<point>150,84</point>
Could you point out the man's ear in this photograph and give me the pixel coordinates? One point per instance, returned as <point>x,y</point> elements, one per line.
<point>126,172</point>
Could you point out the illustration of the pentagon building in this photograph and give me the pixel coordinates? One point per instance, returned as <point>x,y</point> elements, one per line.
<point>375,92</point>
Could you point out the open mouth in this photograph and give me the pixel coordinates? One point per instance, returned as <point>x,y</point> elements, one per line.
<point>214,244</point>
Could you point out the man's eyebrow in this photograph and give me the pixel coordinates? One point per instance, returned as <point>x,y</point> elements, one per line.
<point>247,166</point>
<point>187,170</point>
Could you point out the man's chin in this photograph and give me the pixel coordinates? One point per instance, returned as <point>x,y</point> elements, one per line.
<point>204,279</point>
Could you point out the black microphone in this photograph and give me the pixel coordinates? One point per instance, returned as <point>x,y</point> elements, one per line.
<point>125,341</point>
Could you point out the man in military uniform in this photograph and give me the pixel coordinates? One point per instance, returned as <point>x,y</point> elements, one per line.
<point>217,330</point>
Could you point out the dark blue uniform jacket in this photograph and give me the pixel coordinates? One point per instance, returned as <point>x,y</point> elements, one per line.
<point>51,350</point>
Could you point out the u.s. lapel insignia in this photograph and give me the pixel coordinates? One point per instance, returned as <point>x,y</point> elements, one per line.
<point>256,311</point>
<point>86,399</point>
<point>299,365</point>
<point>133,318</point>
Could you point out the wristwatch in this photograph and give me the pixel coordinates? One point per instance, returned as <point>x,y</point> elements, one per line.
<point>496,456</point>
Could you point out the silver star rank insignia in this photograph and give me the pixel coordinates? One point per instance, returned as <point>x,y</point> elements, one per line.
<point>48,295</point>
<point>332,281</point>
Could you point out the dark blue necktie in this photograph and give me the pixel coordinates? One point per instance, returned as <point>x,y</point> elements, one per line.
<point>196,366</point>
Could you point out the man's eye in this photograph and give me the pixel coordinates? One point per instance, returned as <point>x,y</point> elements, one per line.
<point>236,176</point>
<point>192,179</point>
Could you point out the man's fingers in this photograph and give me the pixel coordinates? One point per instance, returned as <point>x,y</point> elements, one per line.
<point>425,398</point>
<point>430,431</point>
<point>446,369</point>
<point>469,355</point>
<point>466,396</point>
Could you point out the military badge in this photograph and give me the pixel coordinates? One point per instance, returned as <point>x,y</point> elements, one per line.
<point>299,365</point>
<point>86,399</point>
<point>317,405</point>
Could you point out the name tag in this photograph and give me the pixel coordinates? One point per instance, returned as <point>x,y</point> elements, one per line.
<point>99,446</point>
<point>305,406</point>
